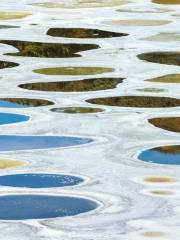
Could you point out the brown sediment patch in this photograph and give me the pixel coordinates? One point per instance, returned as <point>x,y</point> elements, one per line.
<point>164,37</point>
<point>138,22</point>
<point>161,192</point>
<point>168,58</point>
<point>153,234</point>
<point>10,163</point>
<point>8,26</point>
<point>158,10</point>
<point>74,70</point>
<point>94,84</point>
<point>13,15</point>
<point>159,179</point>
<point>82,33</point>
<point>137,101</point>
<point>81,4</point>
<point>4,64</point>
<point>171,78</point>
<point>155,90</point>
<point>167,123</point>
<point>166,1</point>
<point>76,110</point>
<point>48,50</point>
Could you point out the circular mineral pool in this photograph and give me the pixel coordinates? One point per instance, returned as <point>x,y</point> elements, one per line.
<point>162,155</point>
<point>39,180</point>
<point>23,207</point>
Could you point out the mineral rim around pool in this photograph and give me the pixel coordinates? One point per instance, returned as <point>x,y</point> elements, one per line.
<point>82,33</point>
<point>4,163</point>
<point>39,180</point>
<point>7,118</point>
<point>81,4</point>
<point>166,1</point>
<point>162,155</point>
<point>137,101</point>
<point>167,123</point>
<point>74,110</point>
<point>94,84</point>
<point>138,22</point>
<point>171,78</point>
<point>48,50</point>
<point>13,15</point>
<point>21,142</point>
<point>23,102</point>
<point>169,58</point>
<point>4,64</point>
<point>22,207</point>
<point>74,70</point>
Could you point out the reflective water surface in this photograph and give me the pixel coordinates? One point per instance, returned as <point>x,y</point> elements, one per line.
<point>21,207</point>
<point>94,84</point>
<point>36,180</point>
<point>162,155</point>
<point>6,118</point>
<point>48,50</point>
<point>22,142</point>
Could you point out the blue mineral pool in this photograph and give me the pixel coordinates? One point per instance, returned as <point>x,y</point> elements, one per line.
<point>6,118</point>
<point>39,180</point>
<point>162,155</point>
<point>23,207</point>
<point>23,102</point>
<point>18,142</point>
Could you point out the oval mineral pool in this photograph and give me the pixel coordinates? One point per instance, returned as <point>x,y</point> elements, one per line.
<point>18,142</point>
<point>78,110</point>
<point>24,207</point>
<point>166,1</point>
<point>23,102</point>
<point>167,123</point>
<point>13,15</point>
<point>35,180</point>
<point>4,64</point>
<point>7,118</point>
<point>5,163</point>
<point>137,101</point>
<point>93,84</point>
<point>162,155</point>
<point>48,50</point>
<point>170,78</point>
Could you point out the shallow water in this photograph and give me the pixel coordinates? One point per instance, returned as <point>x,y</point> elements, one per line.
<point>39,180</point>
<point>167,123</point>
<point>94,84</point>
<point>7,118</point>
<point>171,78</point>
<point>76,110</point>
<point>162,155</point>
<point>4,64</point>
<point>21,142</point>
<point>4,163</point>
<point>48,50</point>
<point>19,207</point>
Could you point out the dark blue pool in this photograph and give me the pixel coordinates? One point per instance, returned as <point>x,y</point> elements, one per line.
<point>17,142</point>
<point>22,207</point>
<point>162,155</point>
<point>39,180</point>
<point>7,118</point>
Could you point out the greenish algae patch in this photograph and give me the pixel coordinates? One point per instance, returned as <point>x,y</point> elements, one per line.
<point>153,234</point>
<point>171,78</point>
<point>13,15</point>
<point>168,58</point>
<point>164,37</point>
<point>74,70</point>
<point>159,179</point>
<point>138,22</point>
<point>8,26</point>
<point>82,33</point>
<point>94,84</point>
<point>81,4</point>
<point>153,90</point>
<point>10,163</point>
<point>77,110</point>
<point>167,123</point>
<point>161,192</point>
<point>4,64</point>
<point>157,10</point>
<point>137,101</point>
<point>48,50</point>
